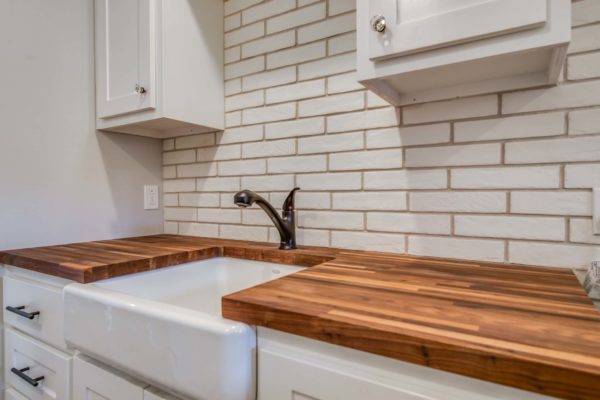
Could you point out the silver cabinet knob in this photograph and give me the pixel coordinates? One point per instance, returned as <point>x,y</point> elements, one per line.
<point>378,23</point>
<point>140,89</point>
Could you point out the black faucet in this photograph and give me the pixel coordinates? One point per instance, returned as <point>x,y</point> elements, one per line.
<point>286,225</point>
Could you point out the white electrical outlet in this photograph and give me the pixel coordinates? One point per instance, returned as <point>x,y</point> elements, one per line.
<point>596,212</point>
<point>150,197</point>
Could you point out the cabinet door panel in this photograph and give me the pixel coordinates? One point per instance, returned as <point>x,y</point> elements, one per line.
<point>416,26</point>
<point>125,56</point>
<point>91,382</point>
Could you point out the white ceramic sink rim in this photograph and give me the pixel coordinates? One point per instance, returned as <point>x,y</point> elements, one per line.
<point>165,325</point>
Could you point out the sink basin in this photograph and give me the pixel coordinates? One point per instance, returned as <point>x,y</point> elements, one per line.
<point>165,326</point>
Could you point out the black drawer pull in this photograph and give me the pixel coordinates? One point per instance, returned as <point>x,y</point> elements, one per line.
<point>25,314</point>
<point>21,374</point>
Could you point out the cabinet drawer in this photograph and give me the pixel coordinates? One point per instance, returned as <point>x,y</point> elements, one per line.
<point>42,361</point>
<point>35,298</point>
<point>12,394</point>
<point>93,381</point>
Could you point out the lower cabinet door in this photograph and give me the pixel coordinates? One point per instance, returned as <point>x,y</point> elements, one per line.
<point>92,382</point>
<point>36,370</point>
<point>12,394</point>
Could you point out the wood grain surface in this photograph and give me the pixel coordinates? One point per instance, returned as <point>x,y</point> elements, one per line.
<point>527,327</point>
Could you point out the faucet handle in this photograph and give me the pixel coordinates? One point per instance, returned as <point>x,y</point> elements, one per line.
<point>288,204</point>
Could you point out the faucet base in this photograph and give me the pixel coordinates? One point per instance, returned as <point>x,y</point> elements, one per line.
<point>287,246</point>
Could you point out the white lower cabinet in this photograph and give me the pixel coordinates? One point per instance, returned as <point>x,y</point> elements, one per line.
<point>12,394</point>
<point>295,368</point>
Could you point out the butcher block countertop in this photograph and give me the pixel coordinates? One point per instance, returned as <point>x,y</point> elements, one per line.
<point>527,327</point>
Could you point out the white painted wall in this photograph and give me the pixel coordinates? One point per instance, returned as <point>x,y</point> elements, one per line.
<point>60,180</point>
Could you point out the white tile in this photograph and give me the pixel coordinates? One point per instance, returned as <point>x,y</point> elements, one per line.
<point>245,67</point>
<point>170,228</point>
<point>584,66</point>
<point>241,134</point>
<point>567,95</point>
<point>302,3</point>
<point>330,181</point>
<point>270,78</point>
<point>244,34</point>
<point>296,18</point>
<point>506,177</point>
<point>242,167</point>
<point>232,6</point>
<point>168,144</point>
<point>413,179</point>
<point>269,113</point>
<point>374,101</point>
<point>581,231</point>
<point>552,203</point>
<point>331,104</point>
<point>499,226</point>
<point>552,255</point>
<point>252,216</point>
<point>585,39</point>
<point>179,157</point>
<point>218,184</point>
<point>382,201</point>
<point>232,21</point>
<point>179,214</point>
<point>341,6</point>
<point>331,220</point>
<point>233,86</point>
<point>305,200</point>
<point>296,55</point>
<point>343,83</point>
<point>409,223</point>
<point>179,185</point>
<point>312,237</point>
<point>300,127</point>
<point>327,28</point>
<point>240,232</point>
<point>219,215</point>
<point>172,199</point>
<point>197,170</point>
<point>556,150</point>
<point>472,202</point>
<point>469,249</point>
<point>408,136</point>
<point>342,43</point>
<point>379,118</point>
<point>270,148</point>
<point>585,12</point>
<point>368,241</point>
<point>267,9</point>
<point>535,125</point>
<point>295,91</point>
<point>244,100</point>
<point>169,172</point>
<point>582,176</point>
<point>330,143</point>
<point>222,152</point>
<point>469,107</point>
<point>584,122</point>
<point>188,142</point>
<point>470,154</point>
<point>195,229</point>
<point>364,160</point>
<point>268,183</point>
<point>199,200</point>
<point>327,66</point>
<point>233,54</point>
<point>297,164</point>
<point>268,44</point>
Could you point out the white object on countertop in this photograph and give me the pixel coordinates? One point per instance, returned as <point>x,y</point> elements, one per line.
<point>165,326</point>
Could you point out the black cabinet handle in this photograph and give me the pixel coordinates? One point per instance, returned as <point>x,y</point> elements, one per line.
<point>25,314</point>
<point>21,374</point>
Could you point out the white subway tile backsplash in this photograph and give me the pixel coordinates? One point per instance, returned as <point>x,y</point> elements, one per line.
<point>584,66</point>
<point>199,200</point>
<point>232,22</point>
<point>178,157</point>
<point>267,9</point>
<point>305,200</point>
<point>330,181</point>
<point>340,6</point>
<point>297,164</point>
<point>557,255</point>
<point>469,107</point>
<point>331,143</point>
<point>233,119</point>
<point>193,141</point>
<point>364,160</point>
<point>232,6</point>
<point>242,167</point>
<point>244,34</point>
<point>172,199</point>
<point>330,27</point>
<point>296,91</point>
<point>217,215</point>
<point>342,43</point>
<point>296,128</point>
<point>218,153</point>
<point>561,96</point>
<point>537,228</point>
<point>406,179</point>
<point>379,118</point>
<point>240,232</point>
<point>331,219</point>
<point>168,144</point>
<point>296,18</point>
<point>555,150</point>
<point>270,78</point>
<point>552,203</point>
<point>269,113</point>
<point>586,38</point>
<point>271,148</point>
<point>506,178</point>
<point>269,43</point>
<point>343,83</point>
<point>179,214</point>
<point>470,154</point>
<point>581,231</point>
<point>195,229</point>
<point>244,100</point>
<point>233,54</point>
<point>585,12</point>
<point>409,223</point>
<point>296,55</point>
<point>408,136</point>
<point>368,241</point>
<point>241,134</point>
<point>198,169</point>
<point>169,172</point>
<point>382,201</point>
<point>245,67</point>
<point>584,122</point>
<point>331,104</point>
<point>179,185</point>
<point>327,66</point>
<point>471,249</point>
<point>470,202</point>
<point>233,86</point>
<point>584,176</point>
<point>268,183</point>
<point>218,184</point>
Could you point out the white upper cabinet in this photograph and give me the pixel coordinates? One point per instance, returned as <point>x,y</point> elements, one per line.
<point>159,66</point>
<point>412,51</point>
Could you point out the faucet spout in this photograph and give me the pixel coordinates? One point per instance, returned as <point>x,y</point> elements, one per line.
<point>285,224</point>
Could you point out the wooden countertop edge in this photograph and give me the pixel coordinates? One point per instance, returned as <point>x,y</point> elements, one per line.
<point>493,366</point>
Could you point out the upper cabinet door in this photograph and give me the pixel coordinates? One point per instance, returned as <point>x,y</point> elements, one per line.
<point>125,56</point>
<point>413,26</point>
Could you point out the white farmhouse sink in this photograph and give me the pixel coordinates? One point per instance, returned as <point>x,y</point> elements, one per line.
<point>165,326</point>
